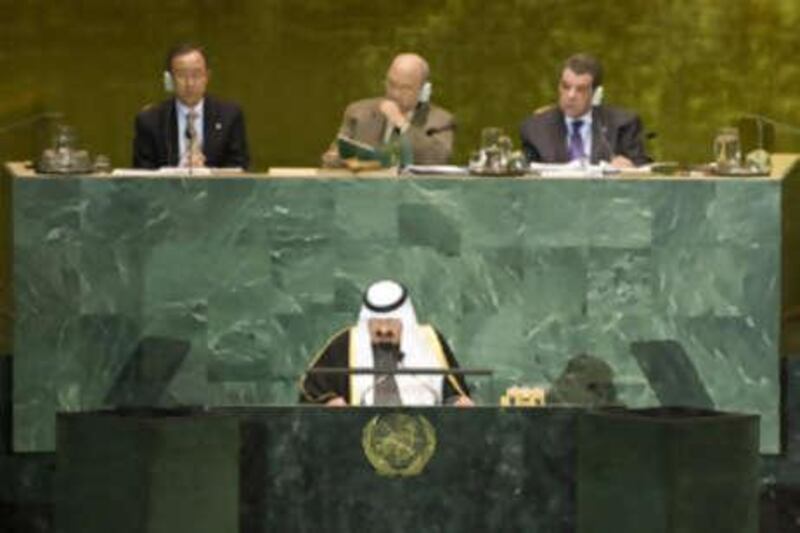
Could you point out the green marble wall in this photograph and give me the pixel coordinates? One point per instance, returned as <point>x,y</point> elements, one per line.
<point>219,291</point>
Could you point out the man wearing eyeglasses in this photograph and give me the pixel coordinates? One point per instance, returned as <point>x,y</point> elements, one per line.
<point>192,129</point>
<point>404,111</point>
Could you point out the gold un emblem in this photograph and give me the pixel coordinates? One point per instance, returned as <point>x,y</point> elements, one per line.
<point>398,445</point>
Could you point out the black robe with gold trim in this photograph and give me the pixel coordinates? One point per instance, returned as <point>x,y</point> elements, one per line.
<point>319,388</point>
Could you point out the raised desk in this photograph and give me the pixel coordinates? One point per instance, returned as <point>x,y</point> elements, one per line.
<point>218,290</point>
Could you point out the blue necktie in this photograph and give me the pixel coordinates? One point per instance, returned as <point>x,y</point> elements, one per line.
<point>576,142</point>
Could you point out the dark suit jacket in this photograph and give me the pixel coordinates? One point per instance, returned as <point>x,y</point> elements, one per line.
<point>155,143</point>
<point>615,131</point>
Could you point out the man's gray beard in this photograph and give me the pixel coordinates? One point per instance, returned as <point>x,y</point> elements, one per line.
<point>386,352</point>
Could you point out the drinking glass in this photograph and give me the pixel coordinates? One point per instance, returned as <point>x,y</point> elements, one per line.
<point>727,149</point>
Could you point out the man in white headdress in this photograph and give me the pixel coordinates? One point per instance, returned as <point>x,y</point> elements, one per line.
<point>386,337</point>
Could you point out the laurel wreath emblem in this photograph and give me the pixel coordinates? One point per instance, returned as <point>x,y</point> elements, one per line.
<point>397,444</point>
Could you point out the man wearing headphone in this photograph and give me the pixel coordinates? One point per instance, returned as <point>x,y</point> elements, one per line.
<point>580,127</point>
<point>405,110</point>
<point>192,129</point>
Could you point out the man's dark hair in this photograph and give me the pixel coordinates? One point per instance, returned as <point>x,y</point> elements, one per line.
<point>585,64</point>
<point>183,49</point>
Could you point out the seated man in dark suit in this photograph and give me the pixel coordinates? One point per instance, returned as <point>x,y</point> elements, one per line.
<point>578,130</point>
<point>191,129</point>
<point>404,111</point>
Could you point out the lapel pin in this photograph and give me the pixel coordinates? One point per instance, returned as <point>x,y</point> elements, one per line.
<point>218,126</point>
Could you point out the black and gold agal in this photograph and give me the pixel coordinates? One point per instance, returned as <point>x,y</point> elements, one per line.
<point>397,444</point>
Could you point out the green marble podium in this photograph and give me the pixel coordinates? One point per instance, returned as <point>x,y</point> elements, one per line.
<point>217,291</point>
<point>308,469</point>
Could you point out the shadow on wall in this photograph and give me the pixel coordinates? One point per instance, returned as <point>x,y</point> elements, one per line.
<point>671,374</point>
<point>146,375</point>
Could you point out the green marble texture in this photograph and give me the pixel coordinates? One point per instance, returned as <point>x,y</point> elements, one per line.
<point>146,475</point>
<point>521,276</point>
<point>683,470</point>
<point>305,470</point>
<point>492,470</point>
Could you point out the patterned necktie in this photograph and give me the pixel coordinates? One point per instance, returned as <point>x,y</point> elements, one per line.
<point>576,142</point>
<point>191,131</point>
<point>386,391</point>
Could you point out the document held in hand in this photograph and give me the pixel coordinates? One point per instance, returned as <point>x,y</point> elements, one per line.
<point>351,148</point>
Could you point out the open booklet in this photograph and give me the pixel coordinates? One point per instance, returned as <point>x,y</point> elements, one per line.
<point>351,148</point>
